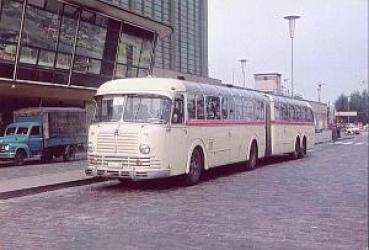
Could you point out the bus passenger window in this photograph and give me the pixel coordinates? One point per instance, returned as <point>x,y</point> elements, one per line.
<point>200,114</point>
<point>224,108</point>
<point>231,108</point>
<point>177,117</point>
<point>191,107</point>
<point>213,108</point>
<point>238,109</point>
<point>291,111</point>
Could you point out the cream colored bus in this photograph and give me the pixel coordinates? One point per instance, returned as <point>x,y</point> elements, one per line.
<point>149,128</point>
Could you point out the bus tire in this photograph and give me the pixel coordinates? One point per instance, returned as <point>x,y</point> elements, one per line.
<point>253,159</point>
<point>302,152</point>
<point>19,157</point>
<point>296,154</point>
<point>196,168</point>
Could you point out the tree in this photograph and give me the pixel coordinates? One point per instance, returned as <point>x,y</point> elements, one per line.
<point>359,102</point>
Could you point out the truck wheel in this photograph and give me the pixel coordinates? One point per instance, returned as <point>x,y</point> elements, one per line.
<point>69,154</point>
<point>19,158</point>
<point>47,157</point>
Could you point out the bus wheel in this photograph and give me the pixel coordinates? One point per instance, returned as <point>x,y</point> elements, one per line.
<point>196,168</point>
<point>19,158</point>
<point>296,154</point>
<point>302,152</point>
<point>253,159</point>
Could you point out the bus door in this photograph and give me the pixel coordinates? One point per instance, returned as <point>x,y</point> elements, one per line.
<point>177,135</point>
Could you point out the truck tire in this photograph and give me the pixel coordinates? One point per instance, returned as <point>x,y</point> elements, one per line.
<point>69,154</point>
<point>19,158</point>
<point>46,157</point>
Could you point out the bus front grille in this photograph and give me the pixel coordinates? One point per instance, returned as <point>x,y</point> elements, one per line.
<point>110,143</point>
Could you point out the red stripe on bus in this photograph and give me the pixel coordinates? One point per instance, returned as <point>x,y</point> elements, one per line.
<point>222,123</point>
<point>250,123</point>
<point>292,123</point>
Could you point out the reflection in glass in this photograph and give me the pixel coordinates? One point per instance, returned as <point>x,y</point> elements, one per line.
<point>28,55</point>
<point>10,18</point>
<point>40,28</point>
<point>86,65</point>
<point>129,49</point>
<point>46,58</point>
<point>63,61</point>
<point>91,40</point>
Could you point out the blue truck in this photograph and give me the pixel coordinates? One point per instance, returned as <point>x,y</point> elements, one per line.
<point>44,133</point>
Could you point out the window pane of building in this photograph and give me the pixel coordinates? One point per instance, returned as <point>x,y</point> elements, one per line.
<point>11,12</point>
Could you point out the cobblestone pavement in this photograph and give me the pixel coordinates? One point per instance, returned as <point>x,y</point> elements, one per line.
<point>320,202</point>
<point>32,168</point>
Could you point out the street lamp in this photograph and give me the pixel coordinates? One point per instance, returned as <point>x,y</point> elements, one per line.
<point>291,21</point>
<point>319,90</point>
<point>243,69</point>
<point>348,110</point>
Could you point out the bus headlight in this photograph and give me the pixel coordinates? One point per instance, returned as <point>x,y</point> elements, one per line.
<point>6,147</point>
<point>91,147</point>
<point>144,149</point>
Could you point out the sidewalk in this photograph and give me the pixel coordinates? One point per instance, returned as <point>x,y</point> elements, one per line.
<point>33,177</point>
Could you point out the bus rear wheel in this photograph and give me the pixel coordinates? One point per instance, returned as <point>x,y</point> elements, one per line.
<point>253,159</point>
<point>296,154</point>
<point>302,152</point>
<point>196,168</point>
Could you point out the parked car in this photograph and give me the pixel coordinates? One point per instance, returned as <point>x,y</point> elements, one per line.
<point>353,130</point>
<point>43,133</point>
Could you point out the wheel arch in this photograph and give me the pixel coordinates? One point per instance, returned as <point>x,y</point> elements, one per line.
<point>252,140</point>
<point>198,143</point>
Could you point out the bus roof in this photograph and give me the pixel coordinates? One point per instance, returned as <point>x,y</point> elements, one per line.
<point>167,86</point>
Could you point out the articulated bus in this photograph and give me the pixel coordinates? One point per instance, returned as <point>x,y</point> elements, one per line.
<point>149,128</point>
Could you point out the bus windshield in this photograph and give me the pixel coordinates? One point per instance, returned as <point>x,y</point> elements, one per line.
<point>147,109</point>
<point>133,108</point>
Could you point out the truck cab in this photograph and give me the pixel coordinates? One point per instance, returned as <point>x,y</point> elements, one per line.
<point>21,140</point>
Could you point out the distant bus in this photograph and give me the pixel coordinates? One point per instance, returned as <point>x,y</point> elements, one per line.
<point>149,128</point>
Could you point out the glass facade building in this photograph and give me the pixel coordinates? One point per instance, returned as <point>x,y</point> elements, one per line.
<point>186,50</point>
<point>58,42</point>
<point>57,52</point>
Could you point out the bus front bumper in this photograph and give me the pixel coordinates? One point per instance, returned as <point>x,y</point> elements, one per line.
<point>134,174</point>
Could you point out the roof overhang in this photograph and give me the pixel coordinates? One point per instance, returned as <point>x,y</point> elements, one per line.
<point>43,90</point>
<point>114,11</point>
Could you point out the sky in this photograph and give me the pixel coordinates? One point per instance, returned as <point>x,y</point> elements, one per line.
<point>330,43</point>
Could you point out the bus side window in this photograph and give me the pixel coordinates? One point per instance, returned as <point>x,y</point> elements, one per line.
<point>213,108</point>
<point>191,107</point>
<point>276,111</point>
<point>284,111</point>
<point>224,108</point>
<point>291,111</point>
<point>231,108</point>
<point>250,111</point>
<point>238,108</point>
<point>177,117</point>
<point>200,114</point>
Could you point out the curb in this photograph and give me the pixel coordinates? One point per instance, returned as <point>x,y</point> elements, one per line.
<point>49,187</point>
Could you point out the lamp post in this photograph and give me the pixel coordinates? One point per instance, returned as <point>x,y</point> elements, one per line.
<point>319,90</point>
<point>243,69</point>
<point>291,22</point>
<point>348,110</point>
